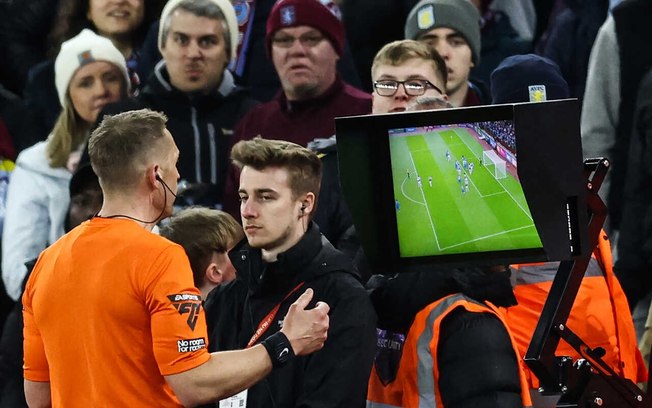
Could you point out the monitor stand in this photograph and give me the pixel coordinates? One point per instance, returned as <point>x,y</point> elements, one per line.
<point>588,382</point>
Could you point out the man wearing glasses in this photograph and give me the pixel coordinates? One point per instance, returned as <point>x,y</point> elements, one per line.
<point>403,71</point>
<point>305,40</point>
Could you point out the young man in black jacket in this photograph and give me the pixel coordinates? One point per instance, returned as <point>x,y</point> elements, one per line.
<point>284,254</point>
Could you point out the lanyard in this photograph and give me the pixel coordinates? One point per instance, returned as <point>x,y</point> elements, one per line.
<point>267,320</point>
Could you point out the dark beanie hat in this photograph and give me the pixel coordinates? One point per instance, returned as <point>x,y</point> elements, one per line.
<point>459,15</point>
<point>320,14</point>
<point>527,78</point>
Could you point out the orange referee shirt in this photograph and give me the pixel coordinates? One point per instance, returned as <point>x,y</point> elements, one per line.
<point>110,309</point>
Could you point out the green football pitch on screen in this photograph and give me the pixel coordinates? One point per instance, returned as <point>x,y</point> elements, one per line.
<point>453,195</point>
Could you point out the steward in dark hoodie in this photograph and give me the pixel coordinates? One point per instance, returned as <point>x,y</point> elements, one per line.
<point>475,360</point>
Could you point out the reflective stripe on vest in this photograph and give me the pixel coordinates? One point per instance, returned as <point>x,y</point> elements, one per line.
<point>528,274</point>
<point>428,392</point>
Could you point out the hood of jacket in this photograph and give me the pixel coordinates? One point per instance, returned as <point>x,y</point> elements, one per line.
<point>397,299</point>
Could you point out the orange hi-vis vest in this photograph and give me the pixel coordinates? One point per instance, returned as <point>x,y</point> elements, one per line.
<point>417,380</point>
<point>600,315</point>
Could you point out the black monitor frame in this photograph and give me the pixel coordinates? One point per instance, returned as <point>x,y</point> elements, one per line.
<point>550,170</point>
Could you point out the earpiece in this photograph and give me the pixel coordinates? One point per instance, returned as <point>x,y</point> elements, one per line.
<point>303,207</point>
<point>160,179</point>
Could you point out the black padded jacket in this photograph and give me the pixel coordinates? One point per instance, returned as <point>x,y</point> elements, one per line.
<point>336,375</point>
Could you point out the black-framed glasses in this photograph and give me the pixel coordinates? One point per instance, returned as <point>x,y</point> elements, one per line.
<point>307,40</point>
<point>413,87</point>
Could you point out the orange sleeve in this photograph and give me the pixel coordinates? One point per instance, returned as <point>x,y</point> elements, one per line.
<point>178,327</point>
<point>35,363</point>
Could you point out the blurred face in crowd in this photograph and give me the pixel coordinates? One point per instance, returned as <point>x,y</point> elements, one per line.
<point>116,17</point>
<point>305,61</point>
<point>418,77</point>
<point>195,52</point>
<point>271,215</point>
<point>84,205</point>
<point>457,54</point>
<point>93,86</point>
<point>224,265</point>
<point>219,271</point>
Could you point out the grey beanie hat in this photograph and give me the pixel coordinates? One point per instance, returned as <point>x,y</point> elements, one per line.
<point>227,10</point>
<point>459,15</point>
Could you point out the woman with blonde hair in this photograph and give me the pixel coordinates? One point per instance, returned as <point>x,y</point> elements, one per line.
<point>90,73</point>
<point>124,22</point>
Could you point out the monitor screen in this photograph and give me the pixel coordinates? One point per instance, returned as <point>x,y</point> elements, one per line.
<point>481,185</point>
<point>456,190</point>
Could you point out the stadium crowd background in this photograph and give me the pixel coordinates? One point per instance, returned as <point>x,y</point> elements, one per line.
<point>31,34</point>
<point>503,132</point>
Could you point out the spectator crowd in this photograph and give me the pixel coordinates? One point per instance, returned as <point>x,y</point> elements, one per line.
<point>169,171</point>
<point>503,131</point>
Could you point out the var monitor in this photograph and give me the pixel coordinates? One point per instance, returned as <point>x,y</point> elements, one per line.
<point>481,185</point>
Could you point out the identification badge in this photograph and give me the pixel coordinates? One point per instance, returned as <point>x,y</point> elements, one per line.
<point>239,400</point>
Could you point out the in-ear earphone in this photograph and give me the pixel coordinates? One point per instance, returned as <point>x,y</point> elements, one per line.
<point>159,178</point>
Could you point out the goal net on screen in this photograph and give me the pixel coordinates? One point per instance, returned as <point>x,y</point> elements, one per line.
<point>494,163</point>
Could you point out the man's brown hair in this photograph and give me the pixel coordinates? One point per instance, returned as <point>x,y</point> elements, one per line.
<point>200,231</point>
<point>303,165</point>
<point>397,52</point>
<point>121,144</point>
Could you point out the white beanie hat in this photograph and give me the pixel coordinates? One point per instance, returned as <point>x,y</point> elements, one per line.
<point>82,49</point>
<point>229,15</point>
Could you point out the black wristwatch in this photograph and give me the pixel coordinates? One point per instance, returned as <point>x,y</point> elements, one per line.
<point>279,349</point>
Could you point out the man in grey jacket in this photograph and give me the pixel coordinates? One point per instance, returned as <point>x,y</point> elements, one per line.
<point>616,68</point>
